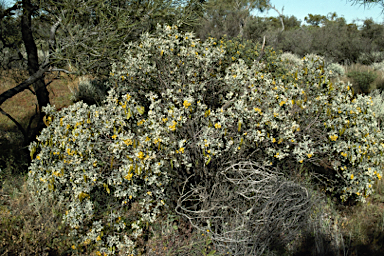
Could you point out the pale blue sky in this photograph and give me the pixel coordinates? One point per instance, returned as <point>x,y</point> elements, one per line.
<point>347,9</point>
<point>301,8</point>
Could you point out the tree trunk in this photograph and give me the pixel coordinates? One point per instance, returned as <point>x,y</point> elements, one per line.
<point>39,87</point>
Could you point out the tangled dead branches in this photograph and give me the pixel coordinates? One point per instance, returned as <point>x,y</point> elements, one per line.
<point>248,210</point>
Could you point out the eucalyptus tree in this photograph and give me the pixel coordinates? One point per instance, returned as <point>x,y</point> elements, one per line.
<point>228,17</point>
<point>368,2</point>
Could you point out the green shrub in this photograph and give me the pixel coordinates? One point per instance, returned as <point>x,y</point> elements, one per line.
<point>90,91</point>
<point>363,79</point>
<point>238,48</point>
<point>173,114</point>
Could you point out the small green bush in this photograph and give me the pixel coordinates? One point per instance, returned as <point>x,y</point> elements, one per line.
<point>363,79</point>
<point>90,91</point>
<point>174,115</point>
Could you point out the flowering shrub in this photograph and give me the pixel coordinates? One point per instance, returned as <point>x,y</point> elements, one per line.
<point>291,59</point>
<point>94,160</point>
<point>173,111</point>
<point>335,70</point>
<point>238,48</point>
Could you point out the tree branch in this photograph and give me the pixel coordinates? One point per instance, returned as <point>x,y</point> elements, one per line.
<point>281,16</point>
<point>8,12</point>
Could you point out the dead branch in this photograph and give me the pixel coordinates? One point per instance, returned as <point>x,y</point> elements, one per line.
<point>248,209</point>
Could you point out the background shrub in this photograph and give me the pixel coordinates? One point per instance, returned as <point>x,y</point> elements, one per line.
<point>90,91</point>
<point>371,58</point>
<point>378,66</point>
<point>362,79</point>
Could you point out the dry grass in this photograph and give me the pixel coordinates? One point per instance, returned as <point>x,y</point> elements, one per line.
<point>22,106</point>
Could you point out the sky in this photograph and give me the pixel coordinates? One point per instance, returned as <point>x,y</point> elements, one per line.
<point>343,8</point>
<point>301,8</point>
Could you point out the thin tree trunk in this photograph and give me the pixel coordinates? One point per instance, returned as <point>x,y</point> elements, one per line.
<point>39,87</point>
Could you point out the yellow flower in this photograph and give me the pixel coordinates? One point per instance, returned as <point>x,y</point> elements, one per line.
<point>301,161</point>
<point>343,154</point>
<point>149,192</point>
<point>273,140</point>
<point>282,103</point>
<point>217,125</point>
<point>98,239</point>
<point>333,137</point>
<point>114,136</point>
<point>233,58</point>
<point>38,157</point>
<point>275,114</point>
<point>257,110</point>
<point>186,104</point>
<point>73,247</point>
<point>352,176</point>
<point>309,155</point>
<point>181,150</point>
<point>128,176</point>
<point>173,127</point>
<point>128,142</point>
<point>141,155</point>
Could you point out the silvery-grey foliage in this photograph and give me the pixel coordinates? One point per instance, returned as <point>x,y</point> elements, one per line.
<point>335,70</point>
